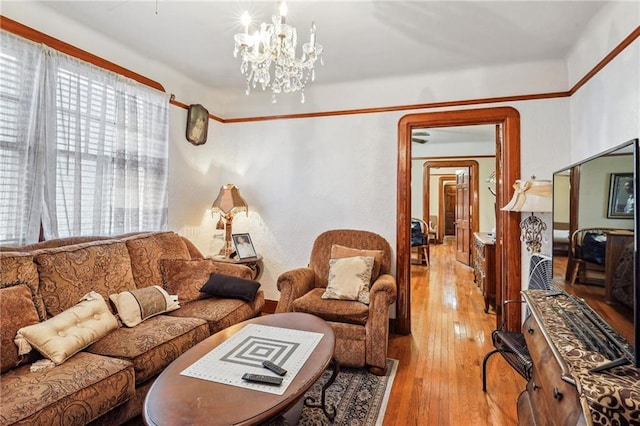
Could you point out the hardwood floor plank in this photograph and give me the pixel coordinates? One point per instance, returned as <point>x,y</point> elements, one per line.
<point>439,377</point>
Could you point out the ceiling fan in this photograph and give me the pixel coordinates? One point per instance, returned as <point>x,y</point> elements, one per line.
<point>419,136</point>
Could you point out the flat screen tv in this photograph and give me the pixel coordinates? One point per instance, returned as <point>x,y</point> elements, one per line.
<point>595,240</point>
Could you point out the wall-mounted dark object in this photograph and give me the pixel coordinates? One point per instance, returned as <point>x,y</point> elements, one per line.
<point>197,124</point>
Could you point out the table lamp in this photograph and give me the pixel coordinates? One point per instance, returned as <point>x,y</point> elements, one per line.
<point>531,196</point>
<point>227,204</point>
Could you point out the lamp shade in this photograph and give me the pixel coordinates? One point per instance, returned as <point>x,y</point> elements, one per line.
<point>531,196</point>
<point>229,201</point>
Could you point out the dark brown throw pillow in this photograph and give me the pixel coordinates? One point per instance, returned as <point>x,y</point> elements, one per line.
<point>227,286</point>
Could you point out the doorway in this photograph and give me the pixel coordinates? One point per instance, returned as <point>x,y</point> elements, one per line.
<point>454,207</point>
<point>507,225</point>
<point>448,215</point>
<point>444,216</point>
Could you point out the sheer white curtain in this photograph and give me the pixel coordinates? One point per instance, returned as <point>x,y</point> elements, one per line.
<point>25,126</point>
<point>112,142</point>
<point>82,149</point>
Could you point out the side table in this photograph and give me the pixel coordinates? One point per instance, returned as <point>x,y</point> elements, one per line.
<point>254,263</point>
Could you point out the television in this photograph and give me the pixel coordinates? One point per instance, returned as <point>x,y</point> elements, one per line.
<point>595,243</point>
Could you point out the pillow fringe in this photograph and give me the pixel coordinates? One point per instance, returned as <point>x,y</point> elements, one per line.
<point>41,364</point>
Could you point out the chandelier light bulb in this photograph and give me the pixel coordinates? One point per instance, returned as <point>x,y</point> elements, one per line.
<point>312,34</point>
<point>269,56</point>
<point>283,10</point>
<point>246,20</point>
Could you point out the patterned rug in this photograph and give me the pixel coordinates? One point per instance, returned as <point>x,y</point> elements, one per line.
<point>360,398</point>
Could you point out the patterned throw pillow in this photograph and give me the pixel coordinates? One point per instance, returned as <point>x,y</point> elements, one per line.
<point>349,278</point>
<point>70,331</point>
<point>135,306</point>
<point>184,278</point>
<point>17,310</point>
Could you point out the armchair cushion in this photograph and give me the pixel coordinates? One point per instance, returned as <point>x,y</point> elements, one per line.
<point>338,251</point>
<point>345,311</point>
<point>349,279</point>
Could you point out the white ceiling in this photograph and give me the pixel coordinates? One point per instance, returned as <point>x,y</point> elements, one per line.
<point>362,39</point>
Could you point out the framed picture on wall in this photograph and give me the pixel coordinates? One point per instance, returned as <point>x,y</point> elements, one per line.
<point>244,246</point>
<point>621,196</point>
<point>197,124</point>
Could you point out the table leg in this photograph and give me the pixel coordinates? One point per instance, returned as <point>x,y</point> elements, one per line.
<point>329,412</point>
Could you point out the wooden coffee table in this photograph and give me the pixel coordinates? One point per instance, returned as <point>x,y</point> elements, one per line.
<point>181,400</point>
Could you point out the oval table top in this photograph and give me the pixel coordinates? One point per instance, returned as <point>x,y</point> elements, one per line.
<point>175,399</point>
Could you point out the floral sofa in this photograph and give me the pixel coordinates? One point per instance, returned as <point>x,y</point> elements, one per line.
<point>96,369</point>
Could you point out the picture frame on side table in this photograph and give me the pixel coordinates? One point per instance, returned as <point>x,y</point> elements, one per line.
<point>621,196</point>
<point>244,246</point>
<point>197,124</point>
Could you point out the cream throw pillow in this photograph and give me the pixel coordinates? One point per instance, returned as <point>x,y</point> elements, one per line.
<point>138,305</point>
<point>349,278</point>
<point>70,331</point>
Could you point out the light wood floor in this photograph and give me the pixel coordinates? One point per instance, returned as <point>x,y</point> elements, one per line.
<point>439,377</point>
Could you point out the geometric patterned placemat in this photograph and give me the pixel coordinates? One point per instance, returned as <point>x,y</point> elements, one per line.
<point>244,352</point>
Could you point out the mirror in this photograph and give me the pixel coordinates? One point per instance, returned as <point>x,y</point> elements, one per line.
<point>594,234</point>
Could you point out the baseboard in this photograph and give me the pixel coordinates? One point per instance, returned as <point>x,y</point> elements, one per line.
<point>269,306</point>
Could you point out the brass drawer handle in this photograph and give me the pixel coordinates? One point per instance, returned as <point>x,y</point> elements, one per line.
<point>534,386</point>
<point>557,394</point>
<point>530,330</point>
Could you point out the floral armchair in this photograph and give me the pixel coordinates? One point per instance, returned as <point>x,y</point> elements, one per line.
<point>361,330</point>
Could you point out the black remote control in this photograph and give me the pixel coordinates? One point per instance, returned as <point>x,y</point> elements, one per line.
<point>274,367</point>
<point>259,378</point>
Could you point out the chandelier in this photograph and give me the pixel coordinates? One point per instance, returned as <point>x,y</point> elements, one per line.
<point>269,55</point>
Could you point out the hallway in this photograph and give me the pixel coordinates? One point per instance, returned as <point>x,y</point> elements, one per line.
<point>439,377</point>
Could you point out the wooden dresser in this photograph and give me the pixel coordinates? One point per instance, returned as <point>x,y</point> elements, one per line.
<point>484,267</point>
<point>562,390</point>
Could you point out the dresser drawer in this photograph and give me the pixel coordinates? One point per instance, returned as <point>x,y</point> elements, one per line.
<point>556,401</point>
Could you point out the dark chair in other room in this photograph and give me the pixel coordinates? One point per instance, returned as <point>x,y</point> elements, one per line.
<point>433,229</point>
<point>586,261</point>
<point>511,345</point>
<point>420,240</point>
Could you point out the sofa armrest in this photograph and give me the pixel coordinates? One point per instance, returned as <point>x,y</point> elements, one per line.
<point>293,284</point>
<point>235,270</point>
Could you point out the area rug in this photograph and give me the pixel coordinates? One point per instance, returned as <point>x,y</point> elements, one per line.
<point>360,398</point>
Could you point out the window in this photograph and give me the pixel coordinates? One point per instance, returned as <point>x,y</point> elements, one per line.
<point>101,148</point>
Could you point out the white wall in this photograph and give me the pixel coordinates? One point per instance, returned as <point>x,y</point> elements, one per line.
<point>605,112</point>
<point>303,176</point>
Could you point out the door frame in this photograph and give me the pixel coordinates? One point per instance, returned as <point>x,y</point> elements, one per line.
<point>473,194</point>
<point>508,245</point>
